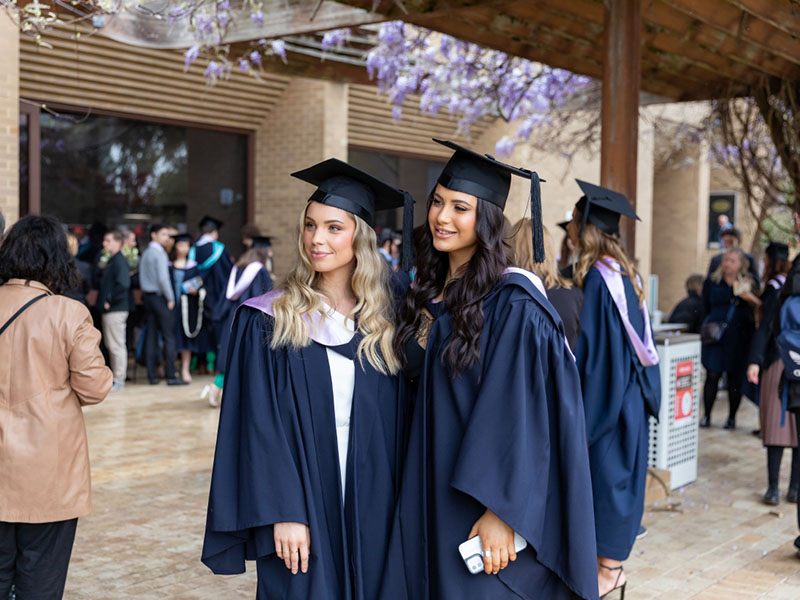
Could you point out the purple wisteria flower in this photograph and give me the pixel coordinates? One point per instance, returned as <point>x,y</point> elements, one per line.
<point>190,56</point>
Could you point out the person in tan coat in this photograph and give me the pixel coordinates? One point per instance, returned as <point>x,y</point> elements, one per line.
<point>50,367</point>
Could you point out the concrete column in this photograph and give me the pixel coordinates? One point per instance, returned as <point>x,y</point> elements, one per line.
<point>307,125</point>
<point>9,120</point>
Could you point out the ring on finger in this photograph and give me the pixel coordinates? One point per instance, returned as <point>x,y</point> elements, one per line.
<point>487,553</point>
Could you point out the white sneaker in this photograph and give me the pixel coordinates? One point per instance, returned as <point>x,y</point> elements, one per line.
<point>117,386</point>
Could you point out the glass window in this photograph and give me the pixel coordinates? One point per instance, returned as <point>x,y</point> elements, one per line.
<point>721,211</point>
<point>119,171</point>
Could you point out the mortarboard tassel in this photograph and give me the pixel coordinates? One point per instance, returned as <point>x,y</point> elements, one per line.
<point>536,219</point>
<point>408,232</point>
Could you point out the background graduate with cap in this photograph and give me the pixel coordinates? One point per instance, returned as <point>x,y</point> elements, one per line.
<point>497,440</point>
<point>249,278</point>
<point>215,264</point>
<point>310,433</point>
<point>190,304</point>
<point>618,364</point>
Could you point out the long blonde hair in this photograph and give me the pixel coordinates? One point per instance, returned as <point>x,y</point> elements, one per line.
<point>594,245</point>
<point>744,265</point>
<point>523,255</point>
<point>373,310</point>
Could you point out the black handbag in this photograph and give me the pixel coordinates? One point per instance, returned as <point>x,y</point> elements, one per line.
<point>713,331</point>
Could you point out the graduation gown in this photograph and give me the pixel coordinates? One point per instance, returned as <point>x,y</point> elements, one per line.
<point>277,460</point>
<point>508,435</point>
<point>215,267</point>
<point>260,284</point>
<point>618,394</point>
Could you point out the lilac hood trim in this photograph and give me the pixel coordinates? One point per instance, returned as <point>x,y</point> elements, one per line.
<point>323,330</point>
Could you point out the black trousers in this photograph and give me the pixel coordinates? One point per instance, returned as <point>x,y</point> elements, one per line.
<point>34,558</point>
<point>159,319</point>
<point>734,391</point>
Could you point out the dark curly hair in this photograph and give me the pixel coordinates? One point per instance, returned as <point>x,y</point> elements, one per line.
<point>464,295</point>
<point>35,248</point>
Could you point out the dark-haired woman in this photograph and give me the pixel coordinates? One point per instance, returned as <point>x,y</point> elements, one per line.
<point>50,367</point>
<point>497,445</point>
<point>618,364</point>
<point>778,428</point>
<point>248,279</point>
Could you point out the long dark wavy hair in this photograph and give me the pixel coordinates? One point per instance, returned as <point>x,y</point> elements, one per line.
<point>464,295</point>
<point>35,248</point>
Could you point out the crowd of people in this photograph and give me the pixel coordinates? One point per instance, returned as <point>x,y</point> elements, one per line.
<point>467,420</point>
<point>738,318</point>
<point>171,299</point>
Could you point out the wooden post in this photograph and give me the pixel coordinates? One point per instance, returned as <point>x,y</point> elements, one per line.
<point>622,54</point>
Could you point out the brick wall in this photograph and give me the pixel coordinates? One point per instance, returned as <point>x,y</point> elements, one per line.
<point>9,120</point>
<point>307,125</point>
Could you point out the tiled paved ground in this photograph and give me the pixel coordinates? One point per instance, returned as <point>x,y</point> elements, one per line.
<point>151,455</point>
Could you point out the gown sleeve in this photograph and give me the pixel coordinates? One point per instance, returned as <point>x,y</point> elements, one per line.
<point>524,453</point>
<point>255,482</point>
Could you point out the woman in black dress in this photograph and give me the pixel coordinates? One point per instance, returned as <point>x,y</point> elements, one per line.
<point>728,299</point>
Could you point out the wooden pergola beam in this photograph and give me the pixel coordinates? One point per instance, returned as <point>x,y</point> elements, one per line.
<point>727,19</point>
<point>781,15</point>
<point>619,139</point>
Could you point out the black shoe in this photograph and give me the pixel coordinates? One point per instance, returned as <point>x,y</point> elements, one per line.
<point>176,381</point>
<point>791,495</point>
<point>152,381</point>
<point>705,422</point>
<point>772,497</point>
<point>756,432</point>
<point>730,423</point>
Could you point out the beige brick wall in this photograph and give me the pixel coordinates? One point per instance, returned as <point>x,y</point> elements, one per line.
<point>680,223</point>
<point>9,120</point>
<point>307,125</point>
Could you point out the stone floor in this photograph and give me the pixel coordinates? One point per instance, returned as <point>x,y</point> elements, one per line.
<point>152,449</point>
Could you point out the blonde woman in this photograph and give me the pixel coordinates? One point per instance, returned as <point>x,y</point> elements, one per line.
<point>728,302</point>
<point>305,469</point>
<point>618,365</point>
<point>565,298</point>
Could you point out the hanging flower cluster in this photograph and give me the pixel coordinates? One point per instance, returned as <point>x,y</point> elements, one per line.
<point>468,81</point>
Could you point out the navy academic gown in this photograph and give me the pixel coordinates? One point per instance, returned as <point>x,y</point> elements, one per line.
<point>227,309</point>
<point>277,460</point>
<point>508,434</point>
<point>618,394</point>
<point>215,275</point>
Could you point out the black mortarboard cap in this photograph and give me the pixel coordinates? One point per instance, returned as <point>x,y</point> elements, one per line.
<point>262,241</point>
<point>563,224</point>
<point>777,251</point>
<point>181,237</point>
<point>209,220</point>
<point>485,177</point>
<point>347,187</point>
<point>602,208</point>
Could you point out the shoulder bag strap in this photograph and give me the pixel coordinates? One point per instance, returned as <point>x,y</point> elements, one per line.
<point>20,311</point>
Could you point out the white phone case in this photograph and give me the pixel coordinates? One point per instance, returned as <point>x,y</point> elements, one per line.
<point>472,551</point>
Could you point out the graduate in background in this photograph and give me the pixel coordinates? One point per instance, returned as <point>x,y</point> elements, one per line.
<point>618,363</point>
<point>310,434</point>
<point>497,441</point>
<point>215,266</point>
<point>249,278</point>
<point>190,303</point>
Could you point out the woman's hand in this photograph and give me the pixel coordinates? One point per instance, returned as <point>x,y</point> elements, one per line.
<point>752,374</point>
<point>497,539</point>
<point>292,544</point>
